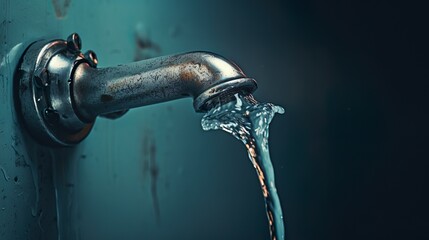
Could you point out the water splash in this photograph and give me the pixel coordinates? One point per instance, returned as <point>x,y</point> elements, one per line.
<point>248,121</point>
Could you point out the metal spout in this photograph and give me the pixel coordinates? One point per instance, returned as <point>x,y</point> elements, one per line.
<point>59,91</point>
<point>201,75</point>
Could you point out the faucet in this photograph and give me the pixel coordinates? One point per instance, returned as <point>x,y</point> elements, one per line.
<point>59,91</point>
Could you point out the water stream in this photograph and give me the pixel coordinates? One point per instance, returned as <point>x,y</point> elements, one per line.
<point>248,121</point>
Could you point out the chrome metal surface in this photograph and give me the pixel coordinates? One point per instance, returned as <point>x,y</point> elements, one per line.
<point>201,75</point>
<point>60,92</point>
<point>43,82</point>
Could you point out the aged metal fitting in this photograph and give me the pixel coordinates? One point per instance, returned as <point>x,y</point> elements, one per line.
<point>43,86</point>
<point>92,58</point>
<point>60,92</point>
<point>74,43</point>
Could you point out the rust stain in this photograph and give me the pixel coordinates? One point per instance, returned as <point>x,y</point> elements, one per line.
<point>187,75</point>
<point>60,7</point>
<point>145,46</point>
<point>150,166</point>
<point>106,98</point>
<point>194,71</point>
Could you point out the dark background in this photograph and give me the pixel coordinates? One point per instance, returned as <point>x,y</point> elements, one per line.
<point>356,88</point>
<point>350,153</point>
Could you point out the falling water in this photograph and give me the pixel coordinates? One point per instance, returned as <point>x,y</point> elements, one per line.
<point>248,121</point>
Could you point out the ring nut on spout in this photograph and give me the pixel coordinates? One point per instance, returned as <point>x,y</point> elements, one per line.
<point>43,86</point>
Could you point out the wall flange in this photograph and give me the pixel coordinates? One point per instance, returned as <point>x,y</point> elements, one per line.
<point>43,85</point>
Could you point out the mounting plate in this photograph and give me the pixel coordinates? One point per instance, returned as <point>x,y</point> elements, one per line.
<point>42,88</point>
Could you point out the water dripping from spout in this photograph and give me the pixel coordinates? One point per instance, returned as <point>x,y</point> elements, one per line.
<point>248,121</point>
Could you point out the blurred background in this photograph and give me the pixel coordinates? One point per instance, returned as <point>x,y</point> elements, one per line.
<point>350,153</point>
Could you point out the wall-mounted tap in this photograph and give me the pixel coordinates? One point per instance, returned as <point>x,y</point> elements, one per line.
<point>59,92</point>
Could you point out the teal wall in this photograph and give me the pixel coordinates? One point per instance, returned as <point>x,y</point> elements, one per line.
<point>103,188</point>
<point>350,153</point>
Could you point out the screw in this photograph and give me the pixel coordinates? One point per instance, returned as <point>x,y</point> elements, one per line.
<point>51,116</point>
<point>74,43</point>
<point>92,58</point>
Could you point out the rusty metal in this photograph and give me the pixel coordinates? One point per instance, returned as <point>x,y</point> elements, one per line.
<point>43,91</point>
<point>61,92</point>
<point>200,75</point>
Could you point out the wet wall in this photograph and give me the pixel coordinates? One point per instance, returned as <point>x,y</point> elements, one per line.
<point>348,153</point>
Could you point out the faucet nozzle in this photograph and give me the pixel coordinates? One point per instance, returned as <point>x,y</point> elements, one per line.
<point>201,75</point>
<point>60,92</point>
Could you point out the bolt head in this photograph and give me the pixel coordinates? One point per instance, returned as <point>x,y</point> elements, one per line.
<point>74,43</point>
<point>92,58</point>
